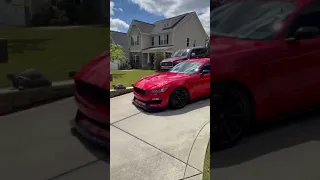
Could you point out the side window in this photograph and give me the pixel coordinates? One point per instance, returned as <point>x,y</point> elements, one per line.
<point>206,67</point>
<point>309,17</point>
<point>202,51</point>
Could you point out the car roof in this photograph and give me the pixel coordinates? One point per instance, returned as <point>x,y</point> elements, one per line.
<point>199,47</point>
<point>202,60</point>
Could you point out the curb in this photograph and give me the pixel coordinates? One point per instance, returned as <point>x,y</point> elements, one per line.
<point>15,100</point>
<point>198,152</point>
<point>115,93</point>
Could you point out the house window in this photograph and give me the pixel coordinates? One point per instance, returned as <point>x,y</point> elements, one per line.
<point>187,42</point>
<point>152,41</point>
<point>161,40</point>
<point>194,43</point>
<point>134,40</point>
<point>165,40</point>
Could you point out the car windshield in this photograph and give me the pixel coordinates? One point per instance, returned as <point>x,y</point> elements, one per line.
<point>181,53</point>
<point>249,19</point>
<point>186,67</point>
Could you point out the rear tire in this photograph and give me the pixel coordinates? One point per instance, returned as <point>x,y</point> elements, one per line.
<point>232,114</point>
<point>179,98</point>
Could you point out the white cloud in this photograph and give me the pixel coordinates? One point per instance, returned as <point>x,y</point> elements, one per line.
<point>120,9</point>
<point>111,8</point>
<point>170,8</point>
<point>117,24</point>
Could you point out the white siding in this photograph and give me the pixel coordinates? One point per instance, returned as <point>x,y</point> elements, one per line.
<point>191,29</point>
<point>11,15</point>
<point>134,32</point>
<point>146,41</point>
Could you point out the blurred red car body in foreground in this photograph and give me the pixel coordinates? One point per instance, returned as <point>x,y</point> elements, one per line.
<point>265,60</point>
<point>92,95</point>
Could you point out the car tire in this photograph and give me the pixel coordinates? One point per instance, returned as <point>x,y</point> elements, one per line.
<point>179,98</point>
<point>232,115</point>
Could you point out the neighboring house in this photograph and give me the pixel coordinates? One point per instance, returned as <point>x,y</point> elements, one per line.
<point>19,12</point>
<point>121,39</point>
<point>166,36</point>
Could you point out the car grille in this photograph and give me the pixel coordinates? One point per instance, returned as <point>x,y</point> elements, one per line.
<point>166,64</point>
<point>92,92</point>
<point>139,91</point>
<point>150,102</point>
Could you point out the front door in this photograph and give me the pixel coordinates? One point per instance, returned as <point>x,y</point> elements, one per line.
<point>293,68</point>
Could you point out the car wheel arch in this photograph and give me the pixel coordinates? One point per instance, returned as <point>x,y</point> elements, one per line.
<point>232,83</point>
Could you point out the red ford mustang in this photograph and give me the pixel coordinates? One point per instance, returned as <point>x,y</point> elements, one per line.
<point>265,63</point>
<point>92,95</point>
<point>186,81</point>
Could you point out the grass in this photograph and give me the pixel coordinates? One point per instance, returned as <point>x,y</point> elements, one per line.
<point>129,77</point>
<point>53,52</point>
<point>206,168</point>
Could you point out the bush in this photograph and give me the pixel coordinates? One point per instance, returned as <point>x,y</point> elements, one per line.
<point>125,66</point>
<point>158,57</point>
<point>59,16</point>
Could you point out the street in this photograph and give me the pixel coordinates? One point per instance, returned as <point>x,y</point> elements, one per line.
<point>288,150</point>
<point>37,144</point>
<point>168,145</point>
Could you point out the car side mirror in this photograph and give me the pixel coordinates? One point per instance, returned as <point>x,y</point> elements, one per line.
<point>305,33</point>
<point>193,54</point>
<point>205,71</point>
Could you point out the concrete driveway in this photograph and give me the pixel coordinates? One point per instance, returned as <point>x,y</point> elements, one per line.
<point>169,145</point>
<point>37,144</point>
<point>289,150</point>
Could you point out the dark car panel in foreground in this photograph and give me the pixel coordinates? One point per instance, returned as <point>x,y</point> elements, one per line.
<point>265,63</point>
<point>92,96</point>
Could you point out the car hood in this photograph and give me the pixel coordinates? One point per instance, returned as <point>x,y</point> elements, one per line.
<point>228,46</point>
<point>159,80</point>
<point>97,71</point>
<point>172,59</point>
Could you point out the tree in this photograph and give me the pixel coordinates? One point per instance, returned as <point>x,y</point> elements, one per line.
<point>116,54</point>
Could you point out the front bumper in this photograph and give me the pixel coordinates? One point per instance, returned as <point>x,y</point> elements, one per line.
<point>84,133</point>
<point>147,106</point>
<point>166,67</point>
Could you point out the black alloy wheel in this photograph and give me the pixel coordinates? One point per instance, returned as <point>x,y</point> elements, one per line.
<point>232,114</point>
<point>179,98</point>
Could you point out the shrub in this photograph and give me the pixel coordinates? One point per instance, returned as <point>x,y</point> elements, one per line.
<point>125,66</point>
<point>158,57</point>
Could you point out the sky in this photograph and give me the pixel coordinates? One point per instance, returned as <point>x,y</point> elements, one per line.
<point>122,12</point>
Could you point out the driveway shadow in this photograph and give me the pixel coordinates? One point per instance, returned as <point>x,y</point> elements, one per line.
<point>195,105</point>
<point>277,136</point>
<point>20,46</point>
<point>99,152</point>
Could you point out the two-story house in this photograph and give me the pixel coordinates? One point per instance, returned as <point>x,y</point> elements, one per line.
<point>165,36</point>
<point>121,39</point>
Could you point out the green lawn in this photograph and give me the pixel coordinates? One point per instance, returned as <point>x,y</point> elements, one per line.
<point>128,77</point>
<point>206,168</point>
<point>54,52</point>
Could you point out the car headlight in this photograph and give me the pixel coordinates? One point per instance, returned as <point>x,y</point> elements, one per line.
<point>157,91</point>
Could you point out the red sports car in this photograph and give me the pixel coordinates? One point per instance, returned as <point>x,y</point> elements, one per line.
<point>186,81</point>
<point>92,95</point>
<point>265,63</point>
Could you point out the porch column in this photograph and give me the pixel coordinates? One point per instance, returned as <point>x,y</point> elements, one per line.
<point>148,58</point>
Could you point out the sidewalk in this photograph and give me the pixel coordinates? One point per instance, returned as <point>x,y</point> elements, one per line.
<point>170,145</point>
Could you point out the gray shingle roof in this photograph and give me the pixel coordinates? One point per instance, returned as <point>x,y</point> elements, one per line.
<point>158,27</point>
<point>119,38</point>
<point>144,27</point>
